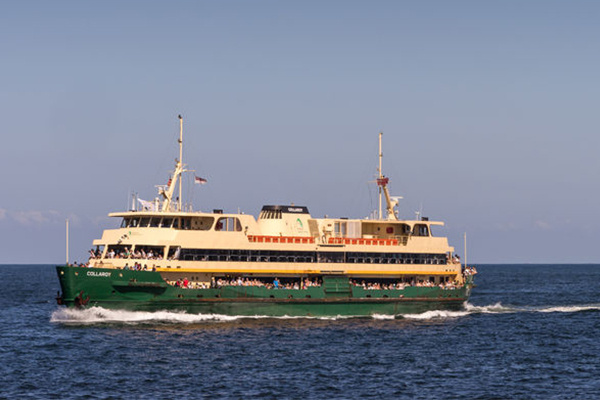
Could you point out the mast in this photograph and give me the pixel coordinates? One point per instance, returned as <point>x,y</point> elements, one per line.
<point>180,160</point>
<point>382,182</point>
<point>168,190</point>
<point>67,241</point>
<point>465,249</point>
<point>380,215</point>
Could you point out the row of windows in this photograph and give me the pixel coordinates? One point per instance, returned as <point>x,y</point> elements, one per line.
<point>188,223</point>
<point>310,257</point>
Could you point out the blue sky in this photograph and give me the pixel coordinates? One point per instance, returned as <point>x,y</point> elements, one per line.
<point>489,114</point>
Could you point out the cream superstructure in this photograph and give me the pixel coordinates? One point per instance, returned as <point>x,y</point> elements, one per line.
<point>283,240</point>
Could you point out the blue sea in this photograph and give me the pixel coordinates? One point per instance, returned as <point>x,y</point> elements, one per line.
<point>528,332</point>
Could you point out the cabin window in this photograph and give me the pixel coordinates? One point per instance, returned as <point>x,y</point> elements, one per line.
<point>166,222</point>
<point>420,230</point>
<point>134,223</point>
<point>147,252</point>
<point>202,224</point>
<point>228,224</point>
<point>154,222</point>
<point>125,223</point>
<point>186,223</point>
<point>98,252</point>
<point>340,229</point>
<point>118,251</point>
<point>174,253</point>
<point>144,222</point>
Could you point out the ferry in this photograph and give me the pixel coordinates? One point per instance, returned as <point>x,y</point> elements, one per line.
<point>284,263</point>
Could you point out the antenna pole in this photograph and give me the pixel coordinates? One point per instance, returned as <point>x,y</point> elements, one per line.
<point>380,173</point>
<point>67,241</point>
<point>180,160</point>
<point>465,249</point>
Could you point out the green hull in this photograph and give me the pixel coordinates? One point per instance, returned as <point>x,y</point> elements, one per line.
<point>147,291</point>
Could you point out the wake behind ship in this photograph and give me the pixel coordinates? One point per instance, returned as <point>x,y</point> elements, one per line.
<point>285,262</point>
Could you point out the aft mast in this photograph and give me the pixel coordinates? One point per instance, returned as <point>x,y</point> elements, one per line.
<point>382,182</point>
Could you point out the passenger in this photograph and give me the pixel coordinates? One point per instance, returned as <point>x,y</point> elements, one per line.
<point>276,283</point>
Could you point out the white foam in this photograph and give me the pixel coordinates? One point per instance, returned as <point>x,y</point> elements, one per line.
<point>499,308</point>
<point>95,315</point>
<point>491,309</point>
<point>383,316</point>
<point>436,314</point>
<point>570,309</point>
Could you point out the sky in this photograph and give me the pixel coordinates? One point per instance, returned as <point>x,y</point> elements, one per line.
<point>489,114</point>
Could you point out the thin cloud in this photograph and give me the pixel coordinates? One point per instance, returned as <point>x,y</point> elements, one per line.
<point>32,217</point>
<point>29,217</point>
<point>542,225</point>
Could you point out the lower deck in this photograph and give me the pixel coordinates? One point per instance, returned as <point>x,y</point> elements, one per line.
<point>322,296</point>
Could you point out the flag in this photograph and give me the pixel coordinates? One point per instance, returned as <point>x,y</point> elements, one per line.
<point>147,205</point>
<point>198,180</point>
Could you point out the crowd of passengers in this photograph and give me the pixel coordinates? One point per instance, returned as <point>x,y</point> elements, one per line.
<point>221,282</point>
<point>135,267</point>
<point>184,283</point>
<point>138,267</point>
<point>139,253</point>
<point>448,285</point>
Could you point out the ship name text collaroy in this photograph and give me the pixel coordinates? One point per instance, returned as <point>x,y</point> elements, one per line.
<point>93,273</point>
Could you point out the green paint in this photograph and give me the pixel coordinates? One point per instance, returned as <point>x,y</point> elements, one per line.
<point>147,291</point>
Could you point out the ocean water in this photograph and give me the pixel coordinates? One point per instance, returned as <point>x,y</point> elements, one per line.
<point>528,332</point>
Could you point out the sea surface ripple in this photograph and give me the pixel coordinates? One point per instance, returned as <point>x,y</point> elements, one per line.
<point>528,332</point>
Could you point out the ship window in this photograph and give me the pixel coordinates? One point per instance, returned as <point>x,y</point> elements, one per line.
<point>174,253</point>
<point>340,228</point>
<point>154,222</point>
<point>228,224</point>
<point>420,230</point>
<point>167,222</point>
<point>144,222</point>
<point>202,224</point>
<point>148,252</point>
<point>186,223</point>
<point>125,223</point>
<point>134,222</point>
